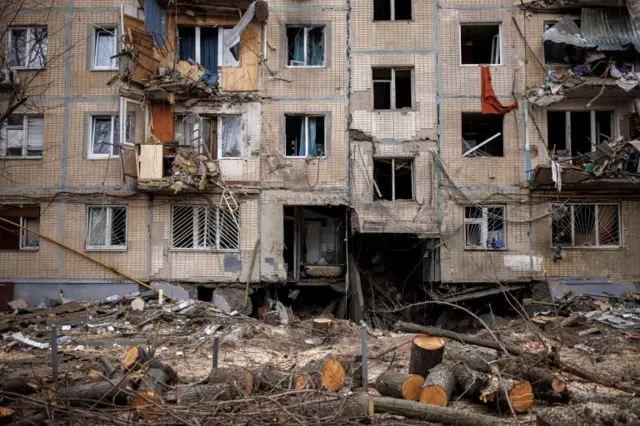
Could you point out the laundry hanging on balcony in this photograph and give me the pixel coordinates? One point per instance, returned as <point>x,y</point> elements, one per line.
<point>489,101</point>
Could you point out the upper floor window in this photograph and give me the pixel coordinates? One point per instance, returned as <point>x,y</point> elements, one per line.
<point>305,46</point>
<point>484,227</point>
<point>573,133</point>
<point>220,137</point>
<point>305,135</point>
<point>27,47</point>
<point>392,179</point>
<point>204,228</point>
<point>481,44</point>
<point>392,10</point>
<point>392,88</point>
<point>22,137</point>
<point>585,225</point>
<point>15,238</point>
<point>107,228</point>
<point>105,49</point>
<point>104,141</point>
<point>205,46</point>
<point>482,135</point>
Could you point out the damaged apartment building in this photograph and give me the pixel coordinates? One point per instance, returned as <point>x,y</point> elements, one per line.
<point>345,157</point>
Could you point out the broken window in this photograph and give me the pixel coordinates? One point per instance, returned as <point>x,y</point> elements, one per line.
<point>105,137</point>
<point>585,225</point>
<point>16,238</point>
<point>392,10</point>
<point>484,227</point>
<point>305,135</point>
<point>204,45</point>
<point>27,47</point>
<point>204,228</point>
<point>107,228</point>
<point>22,137</point>
<point>572,133</point>
<point>105,49</point>
<point>305,46</point>
<point>561,53</point>
<point>392,179</point>
<point>480,44</point>
<point>201,134</point>
<point>482,135</point>
<point>392,88</point>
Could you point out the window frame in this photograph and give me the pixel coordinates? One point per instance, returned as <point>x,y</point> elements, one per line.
<point>393,178</point>
<point>29,46</point>
<point>112,142</point>
<point>392,94</point>
<point>108,231</point>
<point>597,246</point>
<point>392,6</point>
<point>484,226</point>
<point>23,235</point>
<point>114,60</point>
<point>615,124</point>
<point>500,42</point>
<point>221,31</point>
<point>306,134</point>
<point>219,119</point>
<point>194,218</point>
<point>25,139</point>
<point>306,28</point>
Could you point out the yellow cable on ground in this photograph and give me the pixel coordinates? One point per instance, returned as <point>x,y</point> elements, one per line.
<point>61,244</point>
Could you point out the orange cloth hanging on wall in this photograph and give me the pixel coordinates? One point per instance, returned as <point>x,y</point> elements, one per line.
<point>491,104</point>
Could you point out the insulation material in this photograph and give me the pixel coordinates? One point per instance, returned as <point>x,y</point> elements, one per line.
<point>151,162</point>
<point>490,103</point>
<point>163,121</point>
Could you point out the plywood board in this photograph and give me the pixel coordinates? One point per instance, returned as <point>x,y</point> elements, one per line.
<point>129,166</point>
<point>150,160</point>
<point>163,121</point>
<point>245,77</point>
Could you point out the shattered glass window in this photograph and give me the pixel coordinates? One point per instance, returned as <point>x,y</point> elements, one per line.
<point>231,145</point>
<point>305,46</point>
<point>107,228</point>
<point>484,227</point>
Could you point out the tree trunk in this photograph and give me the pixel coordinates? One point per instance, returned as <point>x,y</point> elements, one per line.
<point>199,394</point>
<point>151,388</point>
<point>426,353</point>
<point>269,378</point>
<point>21,385</point>
<point>432,413</point>
<point>434,331</point>
<point>346,409</point>
<point>399,385</point>
<point>135,357</point>
<point>520,394</point>
<point>36,419</point>
<point>102,367</point>
<point>545,380</point>
<point>439,385</point>
<point>88,394</point>
<point>322,324</point>
<point>6,415</point>
<point>241,379</point>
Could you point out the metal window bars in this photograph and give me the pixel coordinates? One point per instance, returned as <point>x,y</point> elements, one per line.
<point>586,225</point>
<point>204,228</point>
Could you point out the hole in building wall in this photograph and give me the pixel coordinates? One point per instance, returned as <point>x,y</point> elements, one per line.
<point>205,293</point>
<point>477,129</point>
<point>309,301</point>
<point>480,44</point>
<point>393,179</point>
<point>562,53</point>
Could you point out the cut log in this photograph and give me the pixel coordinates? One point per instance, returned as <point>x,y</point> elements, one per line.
<point>322,324</point>
<point>433,331</point>
<point>241,379</point>
<point>426,353</point>
<point>135,357</point>
<point>400,385</point>
<point>270,378</point>
<point>333,375</point>
<point>544,380</point>
<point>432,413</point>
<point>88,394</point>
<point>6,415</point>
<point>21,385</point>
<point>198,394</point>
<point>102,367</point>
<point>151,388</point>
<point>438,385</point>
<point>520,394</point>
<point>346,409</point>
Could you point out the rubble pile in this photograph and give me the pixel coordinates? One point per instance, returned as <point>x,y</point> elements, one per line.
<point>614,159</point>
<point>188,80</point>
<point>140,359</point>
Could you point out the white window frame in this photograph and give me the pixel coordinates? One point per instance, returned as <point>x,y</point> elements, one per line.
<point>392,93</point>
<point>29,46</point>
<point>393,179</point>
<point>597,246</point>
<point>90,154</point>
<point>393,12</point>
<point>23,236</point>
<point>306,135</point>
<point>218,123</point>
<point>220,47</point>
<point>108,231</point>
<point>615,124</point>
<point>4,143</point>
<point>195,218</point>
<point>500,42</point>
<point>484,226</point>
<point>306,29</point>
<point>114,61</point>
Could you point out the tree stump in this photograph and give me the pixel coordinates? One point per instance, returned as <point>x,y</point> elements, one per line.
<point>333,375</point>
<point>6,415</point>
<point>135,357</point>
<point>400,385</point>
<point>241,379</point>
<point>438,385</point>
<point>151,388</point>
<point>322,324</point>
<point>426,353</point>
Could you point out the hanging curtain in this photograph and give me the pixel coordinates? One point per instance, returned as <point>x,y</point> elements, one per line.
<point>302,145</point>
<point>209,48</point>
<point>187,37</point>
<point>313,147</point>
<point>298,46</point>
<point>316,48</point>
